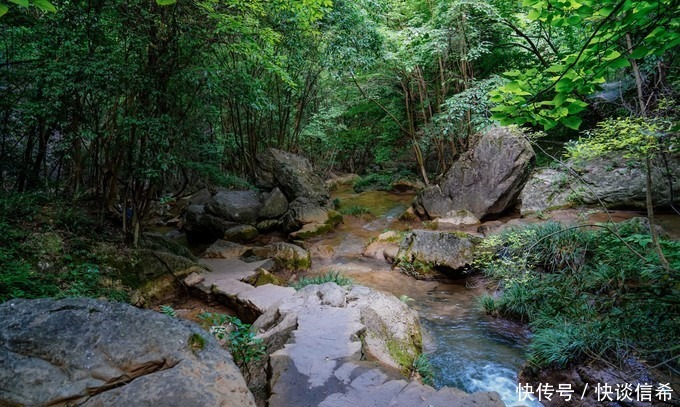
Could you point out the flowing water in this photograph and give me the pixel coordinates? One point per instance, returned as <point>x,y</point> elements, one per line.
<point>467,349</point>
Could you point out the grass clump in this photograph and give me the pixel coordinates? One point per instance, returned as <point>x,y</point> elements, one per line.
<point>422,368</point>
<point>584,293</point>
<point>330,277</point>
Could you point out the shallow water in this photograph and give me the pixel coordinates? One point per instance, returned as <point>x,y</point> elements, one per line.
<point>467,349</point>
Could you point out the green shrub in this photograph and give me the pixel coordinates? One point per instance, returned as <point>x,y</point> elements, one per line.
<point>584,292</point>
<point>381,181</point>
<point>422,366</point>
<point>330,277</point>
<point>241,341</point>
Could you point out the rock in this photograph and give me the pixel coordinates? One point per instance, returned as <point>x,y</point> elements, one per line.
<point>429,249</point>
<point>406,185</point>
<point>226,283</point>
<point>204,227</point>
<point>236,206</point>
<point>617,181</point>
<point>486,181</point>
<point>80,351</point>
<point>318,339</point>
<point>241,234</point>
<point>305,219</point>
<point>223,249</point>
<point>158,242</point>
<point>156,275</point>
<point>456,218</point>
<point>274,205</point>
<point>334,180</point>
<point>293,174</point>
<point>287,256</point>
<point>268,225</point>
<point>392,329</point>
<point>385,247</point>
<point>263,277</point>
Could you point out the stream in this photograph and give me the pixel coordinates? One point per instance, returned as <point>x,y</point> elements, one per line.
<point>467,349</point>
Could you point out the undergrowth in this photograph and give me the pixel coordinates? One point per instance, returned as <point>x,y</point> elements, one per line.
<point>584,293</point>
<point>45,250</point>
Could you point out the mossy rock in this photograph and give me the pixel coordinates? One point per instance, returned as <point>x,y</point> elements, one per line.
<point>158,242</point>
<point>263,277</point>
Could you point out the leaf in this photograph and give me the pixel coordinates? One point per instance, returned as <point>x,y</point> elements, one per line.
<point>612,55</point>
<point>22,3</point>
<point>3,10</point>
<point>572,122</point>
<point>555,68</point>
<point>564,85</point>
<point>574,20</point>
<point>640,52</point>
<point>165,2</point>
<point>534,15</point>
<point>45,5</point>
<point>619,63</point>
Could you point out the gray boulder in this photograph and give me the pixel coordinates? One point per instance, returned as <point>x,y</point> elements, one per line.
<point>204,227</point>
<point>236,206</point>
<point>428,250</point>
<point>293,174</point>
<point>305,218</point>
<point>287,256</point>
<point>619,183</point>
<point>274,205</point>
<point>241,234</point>
<point>223,249</point>
<point>485,181</point>
<point>93,353</point>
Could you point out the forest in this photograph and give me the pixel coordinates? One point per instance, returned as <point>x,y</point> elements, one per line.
<point>112,112</point>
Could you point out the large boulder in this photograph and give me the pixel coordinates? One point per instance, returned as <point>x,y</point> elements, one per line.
<point>486,181</point>
<point>204,227</point>
<point>291,173</point>
<point>618,182</point>
<point>287,256</point>
<point>306,218</point>
<point>274,205</point>
<point>236,206</point>
<point>93,353</point>
<point>423,252</point>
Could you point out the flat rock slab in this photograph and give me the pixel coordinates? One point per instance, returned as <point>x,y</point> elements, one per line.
<point>225,284</point>
<point>321,338</point>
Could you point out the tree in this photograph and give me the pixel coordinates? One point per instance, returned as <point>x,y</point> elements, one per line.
<point>618,35</point>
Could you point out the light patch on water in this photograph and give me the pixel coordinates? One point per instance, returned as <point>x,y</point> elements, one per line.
<point>493,377</point>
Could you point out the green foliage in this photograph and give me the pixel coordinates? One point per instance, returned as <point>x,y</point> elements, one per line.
<point>635,137</point>
<point>196,342</point>
<point>584,292</point>
<point>381,181</point>
<point>330,277</point>
<point>422,366</point>
<point>168,310</point>
<point>599,33</point>
<point>355,210</point>
<point>242,343</point>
